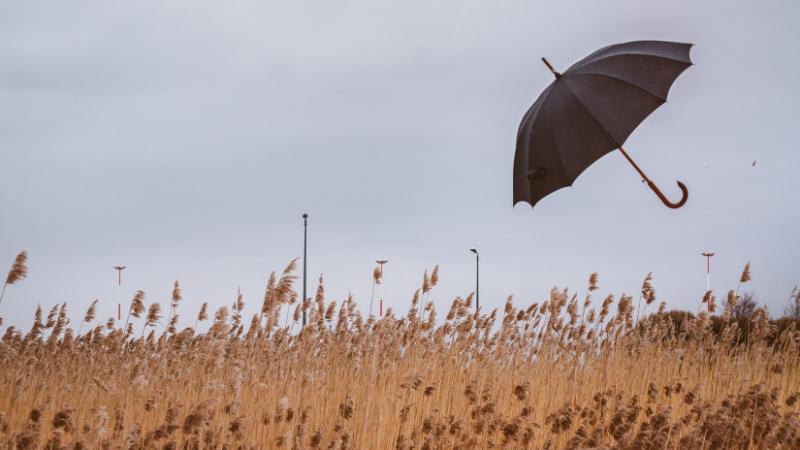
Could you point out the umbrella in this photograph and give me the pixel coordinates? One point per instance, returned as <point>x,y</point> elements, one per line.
<point>590,110</point>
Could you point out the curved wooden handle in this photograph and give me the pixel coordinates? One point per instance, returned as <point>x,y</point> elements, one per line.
<point>665,200</point>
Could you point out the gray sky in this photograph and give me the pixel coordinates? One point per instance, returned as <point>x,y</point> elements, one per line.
<point>184,139</point>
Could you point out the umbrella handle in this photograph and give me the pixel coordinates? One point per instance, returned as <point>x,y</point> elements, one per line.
<point>661,196</point>
<point>665,200</point>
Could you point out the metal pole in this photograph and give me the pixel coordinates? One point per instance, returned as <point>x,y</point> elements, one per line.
<point>708,256</point>
<point>380,262</point>
<point>372,296</point>
<point>477,281</point>
<point>305,260</point>
<point>119,270</point>
<point>119,305</point>
<point>477,278</point>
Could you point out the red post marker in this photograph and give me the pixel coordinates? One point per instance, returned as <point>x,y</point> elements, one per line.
<point>119,311</point>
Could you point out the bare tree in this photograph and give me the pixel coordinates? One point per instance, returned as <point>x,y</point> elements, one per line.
<point>793,308</point>
<point>745,306</point>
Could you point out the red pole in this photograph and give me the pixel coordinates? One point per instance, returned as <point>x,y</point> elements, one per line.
<point>119,311</point>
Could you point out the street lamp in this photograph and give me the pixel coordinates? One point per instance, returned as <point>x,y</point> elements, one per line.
<point>477,278</point>
<point>305,258</point>
<point>708,256</point>
<point>381,262</point>
<point>119,270</point>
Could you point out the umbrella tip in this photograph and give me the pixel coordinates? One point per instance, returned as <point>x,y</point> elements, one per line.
<point>552,69</point>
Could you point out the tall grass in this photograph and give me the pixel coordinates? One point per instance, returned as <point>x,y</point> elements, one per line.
<point>560,373</point>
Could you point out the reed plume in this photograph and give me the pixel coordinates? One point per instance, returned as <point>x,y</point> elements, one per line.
<point>89,316</point>
<point>51,317</point>
<point>19,270</point>
<point>137,307</point>
<point>376,280</point>
<point>202,315</point>
<point>593,282</point>
<point>90,313</point>
<point>377,275</point>
<point>238,306</point>
<point>176,294</point>
<point>153,316</point>
<point>744,278</point>
<point>535,376</point>
<point>707,296</point>
<point>176,298</point>
<point>267,304</point>
<point>173,323</point>
<point>730,303</point>
<point>745,274</point>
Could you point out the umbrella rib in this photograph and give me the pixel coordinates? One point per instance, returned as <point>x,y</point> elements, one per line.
<point>560,159</point>
<point>534,110</point>
<point>596,121</point>
<point>584,63</point>
<point>626,82</point>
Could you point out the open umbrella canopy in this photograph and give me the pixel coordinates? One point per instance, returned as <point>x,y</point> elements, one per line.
<point>590,110</point>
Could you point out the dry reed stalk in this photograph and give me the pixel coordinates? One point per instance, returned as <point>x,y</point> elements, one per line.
<point>18,271</point>
<point>540,376</point>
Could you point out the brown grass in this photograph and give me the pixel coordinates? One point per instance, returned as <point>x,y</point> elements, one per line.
<point>556,374</point>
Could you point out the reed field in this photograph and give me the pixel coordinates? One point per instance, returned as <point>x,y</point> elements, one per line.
<point>579,370</point>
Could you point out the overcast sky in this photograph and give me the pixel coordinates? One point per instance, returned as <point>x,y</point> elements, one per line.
<point>184,139</point>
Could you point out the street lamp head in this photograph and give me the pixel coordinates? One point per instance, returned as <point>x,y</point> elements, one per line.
<point>305,216</point>
<point>474,250</point>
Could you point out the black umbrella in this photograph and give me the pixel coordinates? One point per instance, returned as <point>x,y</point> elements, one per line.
<point>590,110</point>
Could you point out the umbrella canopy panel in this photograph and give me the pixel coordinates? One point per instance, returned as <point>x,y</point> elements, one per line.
<point>590,110</point>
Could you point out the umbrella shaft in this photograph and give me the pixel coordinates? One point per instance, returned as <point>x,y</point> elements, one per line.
<point>625,154</point>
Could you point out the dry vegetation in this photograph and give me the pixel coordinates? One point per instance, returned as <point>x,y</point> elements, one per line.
<point>562,373</point>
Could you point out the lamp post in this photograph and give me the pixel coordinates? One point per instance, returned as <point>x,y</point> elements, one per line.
<point>119,270</point>
<point>708,256</point>
<point>305,259</point>
<point>708,269</point>
<point>380,262</point>
<point>477,278</point>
